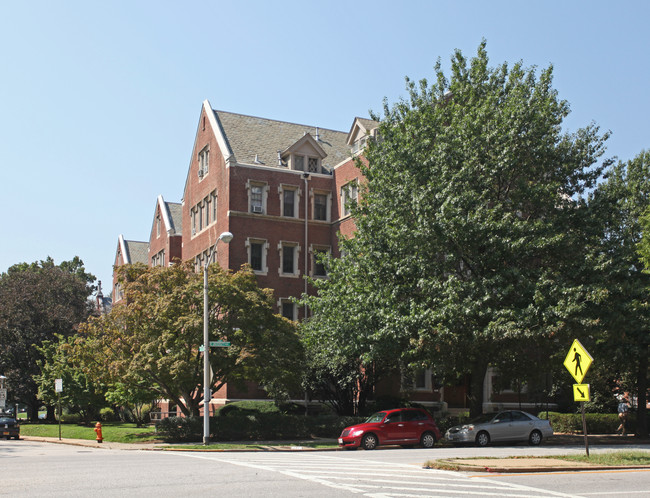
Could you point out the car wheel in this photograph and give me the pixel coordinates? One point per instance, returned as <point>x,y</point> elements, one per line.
<point>369,442</point>
<point>482,438</point>
<point>428,440</point>
<point>535,438</point>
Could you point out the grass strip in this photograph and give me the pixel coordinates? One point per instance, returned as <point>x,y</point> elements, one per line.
<point>114,432</point>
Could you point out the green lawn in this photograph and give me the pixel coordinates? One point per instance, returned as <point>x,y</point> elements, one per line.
<point>614,458</point>
<point>115,432</point>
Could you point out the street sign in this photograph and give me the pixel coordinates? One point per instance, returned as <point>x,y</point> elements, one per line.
<point>58,385</point>
<point>581,392</point>
<point>216,344</point>
<point>578,361</point>
<point>3,397</point>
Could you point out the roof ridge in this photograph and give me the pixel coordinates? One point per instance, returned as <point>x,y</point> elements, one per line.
<point>279,121</point>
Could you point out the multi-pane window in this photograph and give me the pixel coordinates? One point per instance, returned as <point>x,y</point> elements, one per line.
<point>288,202</point>
<point>349,195</point>
<point>320,207</point>
<point>204,162</point>
<point>204,213</point>
<point>256,249</point>
<point>257,199</point>
<point>158,259</point>
<point>288,309</point>
<point>288,258</point>
<point>213,204</point>
<point>318,265</point>
<point>312,164</point>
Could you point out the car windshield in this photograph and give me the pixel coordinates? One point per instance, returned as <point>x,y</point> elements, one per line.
<point>482,419</point>
<point>375,417</point>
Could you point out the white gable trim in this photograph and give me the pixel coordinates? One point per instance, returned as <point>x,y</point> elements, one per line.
<point>125,254</point>
<point>218,133</point>
<point>162,205</point>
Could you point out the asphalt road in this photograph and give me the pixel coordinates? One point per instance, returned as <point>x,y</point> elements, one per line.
<point>30,468</point>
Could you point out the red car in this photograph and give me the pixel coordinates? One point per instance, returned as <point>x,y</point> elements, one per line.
<point>403,426</point>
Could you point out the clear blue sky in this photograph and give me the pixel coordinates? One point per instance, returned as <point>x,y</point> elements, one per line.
<point>99,101</point>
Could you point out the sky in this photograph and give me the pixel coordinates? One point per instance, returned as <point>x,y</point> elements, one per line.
<point>100,101</point>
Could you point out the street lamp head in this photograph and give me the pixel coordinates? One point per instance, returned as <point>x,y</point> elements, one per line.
<point>226,237</point>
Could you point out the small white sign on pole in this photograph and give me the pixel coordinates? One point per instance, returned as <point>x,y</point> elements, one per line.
<point>58,385</point>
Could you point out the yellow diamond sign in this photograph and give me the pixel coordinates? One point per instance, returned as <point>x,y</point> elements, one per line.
<point>581,392</point>
<point>578,361</point>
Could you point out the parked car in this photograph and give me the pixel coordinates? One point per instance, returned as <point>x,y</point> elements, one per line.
<point>9,426</point>
<point>403,426</point>
<point>511,425</point>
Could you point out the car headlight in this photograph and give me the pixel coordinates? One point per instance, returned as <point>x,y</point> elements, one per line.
<point>356,433</point>
<point>467,428</point>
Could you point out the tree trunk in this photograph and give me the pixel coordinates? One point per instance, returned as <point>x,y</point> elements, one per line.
<point>51,414</point>
<point>475,394</point>
<point>641,392</point>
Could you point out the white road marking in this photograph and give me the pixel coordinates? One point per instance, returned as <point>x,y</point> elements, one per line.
<point>379,479</point>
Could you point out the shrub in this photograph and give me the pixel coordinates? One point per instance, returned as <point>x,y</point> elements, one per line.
<point>180,429</point>
<point>597,423</point>
<point>71,418</point>
<point>107,415</point>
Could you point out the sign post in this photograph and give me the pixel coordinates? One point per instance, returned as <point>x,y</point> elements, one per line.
<point>58,387</point>
<point>577,362</point>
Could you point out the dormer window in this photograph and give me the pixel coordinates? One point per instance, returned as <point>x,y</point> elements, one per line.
<point>299,163</point>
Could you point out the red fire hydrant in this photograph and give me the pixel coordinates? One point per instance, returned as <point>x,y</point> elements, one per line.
<point>98,431</point>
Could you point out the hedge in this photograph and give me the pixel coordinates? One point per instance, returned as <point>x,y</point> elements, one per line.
<point>597,423</point>
<point>245,425</point>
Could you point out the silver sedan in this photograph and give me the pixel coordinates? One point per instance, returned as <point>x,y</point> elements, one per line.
<point>511,425</point>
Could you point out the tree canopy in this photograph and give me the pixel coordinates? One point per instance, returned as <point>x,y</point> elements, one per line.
<point>469,225</point>
<point>37,302</point>
<point>152,337</point>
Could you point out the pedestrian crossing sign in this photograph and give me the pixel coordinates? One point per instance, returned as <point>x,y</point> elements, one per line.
<point>578,361</point>
<point>581,392</point>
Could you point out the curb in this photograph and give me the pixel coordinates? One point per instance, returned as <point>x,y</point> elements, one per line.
<point>499,467</point>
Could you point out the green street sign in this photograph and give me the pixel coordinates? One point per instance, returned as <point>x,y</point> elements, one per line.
<point>216,344</point>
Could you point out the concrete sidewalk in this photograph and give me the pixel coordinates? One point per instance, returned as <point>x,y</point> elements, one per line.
<point>525,465</point>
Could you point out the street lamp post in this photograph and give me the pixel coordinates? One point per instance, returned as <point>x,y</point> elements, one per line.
<point>226,237</point>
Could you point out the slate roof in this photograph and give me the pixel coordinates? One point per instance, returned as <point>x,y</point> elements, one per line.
<point>368,124</point>
<point>138,252</point>
<point>175,211</point>
<point>248,136</point>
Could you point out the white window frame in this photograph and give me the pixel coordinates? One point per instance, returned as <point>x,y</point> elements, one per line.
<point>282,188</point>
<point>265,193</point>
<point>313,249</point>
<point>296,257</point>
<point>328,204</point>
<point>204,162</point>
<point>349,192</point>
<point>285,300</point>
<point>265,251</point>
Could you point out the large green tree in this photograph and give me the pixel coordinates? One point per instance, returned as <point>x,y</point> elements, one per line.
<point>152,337</point>
<point>37,302</point>
<point>620,202</point>
<point>469,227</point>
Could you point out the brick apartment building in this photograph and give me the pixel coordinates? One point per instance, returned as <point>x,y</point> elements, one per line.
<point>281,189</point>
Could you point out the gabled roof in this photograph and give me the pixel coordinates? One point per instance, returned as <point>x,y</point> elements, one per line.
<point>133,251</point>
<point>248,137</point>
<point>171,216</point>
<point>360,127</point>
